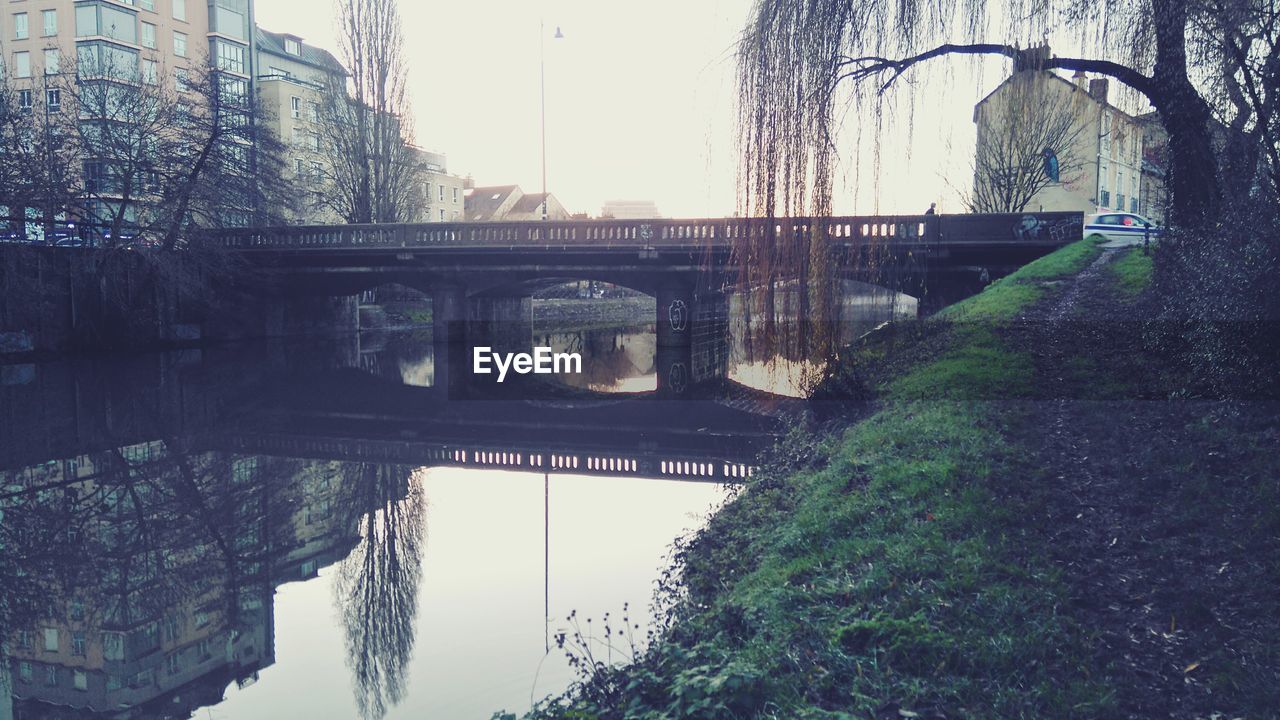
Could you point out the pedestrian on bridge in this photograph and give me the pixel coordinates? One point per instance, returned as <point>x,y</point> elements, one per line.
<point>933,209</point>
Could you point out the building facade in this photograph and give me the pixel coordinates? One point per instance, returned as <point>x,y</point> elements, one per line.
<point>1107,147</point>
<point>49,43</point>
<point>443,195</point>
<point>630,210</point>
<point>292,82</point>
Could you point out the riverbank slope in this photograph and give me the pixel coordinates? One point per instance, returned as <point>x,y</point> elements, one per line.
<point>1023,525</point>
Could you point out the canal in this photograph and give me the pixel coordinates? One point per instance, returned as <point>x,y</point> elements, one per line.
<point>322,529</point>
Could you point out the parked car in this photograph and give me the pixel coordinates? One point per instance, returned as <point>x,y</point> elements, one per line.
<point>1119,226</point>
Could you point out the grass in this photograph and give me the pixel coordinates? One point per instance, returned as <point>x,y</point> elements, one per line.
<point>1132,271</point>
<point>1008,296</point>
<point>894,570</point>
<point>904,566</point>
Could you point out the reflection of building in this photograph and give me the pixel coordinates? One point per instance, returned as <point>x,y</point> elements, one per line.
<point>508,203</point>
<point>630,210</point>
<point>158,591</point>
<point>1108,146</point>
<point>292,80</point>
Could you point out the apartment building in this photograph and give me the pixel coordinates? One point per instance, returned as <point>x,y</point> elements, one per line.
<point>48,43</point>
<point>443,196</point>
<point>630,210</point>
<point>293,79</point>
<point>1108,147</point>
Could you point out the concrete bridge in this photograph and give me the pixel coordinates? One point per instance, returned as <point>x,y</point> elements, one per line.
<point>487,273</point>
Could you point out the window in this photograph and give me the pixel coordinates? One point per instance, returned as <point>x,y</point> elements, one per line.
<point>314,141</point>
<point>317,170</point>
<point>1119,201</point>
<point>1133,205</point>
<point>229,18</point>
<point>179,9</point>
<point>442,194</point>
<point>86,20</point>
<point>53,102</point>
<point>295,137</point>
<point>51,675</point>
<point>295,107</point>
<point>181,79</point>
<point>51,639</point>
<point>455,196</point>
<point>314,111</point>
<point>179,44</point>
<point>80,680</point>
<point>1104,198</point>
<point>441,216</point>
<point>77,644</point>
<point>148,5</point>
<point>230,57</point>
<point>293,47</point>
<point>25,671</point>
<point>150,72</point>
<point>173,663</point>
<point>118,24</point>
<point>50,18</point>
<point>20,29</point>
<point>24,100</point>
<point>22,64</point>
<point>148,36</point>
<point>24,639</point>
<point>52,62</point>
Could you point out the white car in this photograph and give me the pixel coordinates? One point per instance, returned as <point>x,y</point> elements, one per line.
<point>1119,226</point>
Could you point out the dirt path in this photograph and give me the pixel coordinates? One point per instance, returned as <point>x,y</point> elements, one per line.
<point>1178,609</point>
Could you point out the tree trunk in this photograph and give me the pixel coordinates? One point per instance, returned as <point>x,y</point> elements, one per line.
<point>1193,171</point>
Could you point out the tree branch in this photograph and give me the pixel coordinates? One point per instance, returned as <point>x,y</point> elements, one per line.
<point>872,66</point>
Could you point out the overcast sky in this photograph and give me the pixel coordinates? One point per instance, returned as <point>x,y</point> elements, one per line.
<point>640,103</point>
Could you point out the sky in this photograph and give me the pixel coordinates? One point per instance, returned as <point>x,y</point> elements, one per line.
<point>641,103</point>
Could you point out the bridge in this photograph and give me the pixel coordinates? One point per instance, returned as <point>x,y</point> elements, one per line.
<point>487,273</point>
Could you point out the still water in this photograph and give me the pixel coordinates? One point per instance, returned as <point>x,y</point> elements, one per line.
<point>326,530</point>
<point>314,530</point>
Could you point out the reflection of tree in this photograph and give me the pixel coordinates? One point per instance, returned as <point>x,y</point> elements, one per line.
<point>377,585</point>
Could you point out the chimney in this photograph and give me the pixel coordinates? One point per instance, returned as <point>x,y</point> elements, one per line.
<point>1033,58</point>
<point>1098,89</point>
<point>1081,80</point>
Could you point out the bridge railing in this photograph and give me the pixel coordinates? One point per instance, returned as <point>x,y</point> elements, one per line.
<point>1056,227</point>
<point>595,233</point>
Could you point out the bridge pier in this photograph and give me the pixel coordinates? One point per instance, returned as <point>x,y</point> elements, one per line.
<point>448,313</point>
<point>504,323</point>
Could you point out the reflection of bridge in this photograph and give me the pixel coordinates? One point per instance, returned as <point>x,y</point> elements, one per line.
<point>488,272</point>
<point>314,405</point>
<point>351,416</point>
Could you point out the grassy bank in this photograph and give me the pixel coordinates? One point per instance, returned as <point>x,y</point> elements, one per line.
<point>908,565</point>
<point>890,570</point>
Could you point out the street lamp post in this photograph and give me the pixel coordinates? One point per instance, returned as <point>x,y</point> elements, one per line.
<point>542,58</point>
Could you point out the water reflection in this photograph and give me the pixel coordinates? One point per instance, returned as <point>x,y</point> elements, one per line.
<point>615,360</point>
<point>180,531</point>
<point>377,585</point>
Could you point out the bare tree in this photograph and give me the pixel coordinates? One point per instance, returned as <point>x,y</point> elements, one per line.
<point>367,122</point>
<point>795,54</point>
<point>1026,130</point>
<point>168,153</point>
<point>39,163</point>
